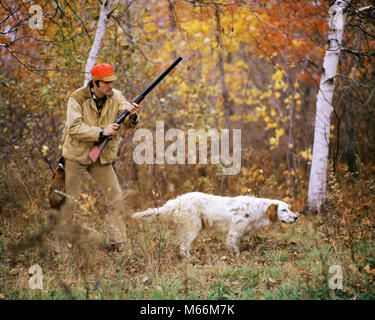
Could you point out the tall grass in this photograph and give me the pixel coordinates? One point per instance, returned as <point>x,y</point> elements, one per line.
<point>285,262</point>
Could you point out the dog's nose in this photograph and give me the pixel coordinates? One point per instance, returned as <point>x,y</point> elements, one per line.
<point>295,218</point>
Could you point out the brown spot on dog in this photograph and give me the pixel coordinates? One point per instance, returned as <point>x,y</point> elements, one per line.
<point>271,212</point>
<point>246,215</point>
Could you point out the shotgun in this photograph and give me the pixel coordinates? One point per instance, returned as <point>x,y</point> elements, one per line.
<point>99,146</point>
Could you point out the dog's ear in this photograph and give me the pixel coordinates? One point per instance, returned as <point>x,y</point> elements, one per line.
<point>271,212</point>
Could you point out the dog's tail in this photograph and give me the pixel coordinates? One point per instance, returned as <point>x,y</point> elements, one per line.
<point>167,209</point>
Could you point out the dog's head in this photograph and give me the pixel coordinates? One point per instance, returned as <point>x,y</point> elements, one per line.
<point>280,212</point>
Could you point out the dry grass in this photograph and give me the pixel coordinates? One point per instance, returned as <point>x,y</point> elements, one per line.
<point>286,262</point>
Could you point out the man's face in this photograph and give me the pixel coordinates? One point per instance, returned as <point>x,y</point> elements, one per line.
<point>105,88</point>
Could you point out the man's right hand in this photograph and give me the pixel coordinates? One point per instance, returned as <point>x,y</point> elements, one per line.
<point>111,129</point>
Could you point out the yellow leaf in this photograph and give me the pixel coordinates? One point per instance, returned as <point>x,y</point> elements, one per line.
<point>271,126</point>
<point>279,132</point>
<point>45,149</point>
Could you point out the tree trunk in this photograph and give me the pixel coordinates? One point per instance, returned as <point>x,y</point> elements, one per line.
<point>351,153</point>
<point>350,136</point>
<point>96,46</point>
<point>318,173</point>
<point>227,104</point>
<point>172,16</point>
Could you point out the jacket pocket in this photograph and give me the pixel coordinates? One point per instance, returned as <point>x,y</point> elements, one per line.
<point>80,144</point>
<point>110,150</point>
<point>76,150</point>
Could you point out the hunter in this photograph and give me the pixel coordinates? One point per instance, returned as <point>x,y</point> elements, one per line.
<point>91,114</point>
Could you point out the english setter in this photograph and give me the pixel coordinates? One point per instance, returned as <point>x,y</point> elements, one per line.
<point>233,216</point>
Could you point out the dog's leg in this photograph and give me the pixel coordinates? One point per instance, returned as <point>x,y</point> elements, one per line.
<point>187,240</point>
<point>184,252</point>
<point>233,239</point>
<point>189,231</point>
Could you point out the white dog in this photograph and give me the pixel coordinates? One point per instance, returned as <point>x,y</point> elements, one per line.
<point>233,216</point>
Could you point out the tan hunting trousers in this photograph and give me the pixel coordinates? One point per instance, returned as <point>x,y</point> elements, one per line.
<point>105,177</point>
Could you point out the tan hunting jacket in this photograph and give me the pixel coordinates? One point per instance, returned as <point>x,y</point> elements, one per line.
<point>83,125</point>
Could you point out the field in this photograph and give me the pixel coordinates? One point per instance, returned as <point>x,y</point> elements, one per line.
<point>281,92</point>
<point>324,256</point>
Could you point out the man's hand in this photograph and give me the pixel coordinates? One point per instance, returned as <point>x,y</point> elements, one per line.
<point>132,107</point>
<point>111,129</point>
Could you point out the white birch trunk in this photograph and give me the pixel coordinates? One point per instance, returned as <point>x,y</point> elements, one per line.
<point>96,46</point>
<point>318,173</point>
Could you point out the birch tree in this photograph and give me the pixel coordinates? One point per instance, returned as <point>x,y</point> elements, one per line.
<point>318,173</point>
<point>95,49</point>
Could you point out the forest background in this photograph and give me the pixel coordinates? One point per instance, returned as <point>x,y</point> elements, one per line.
<point>249,65</point>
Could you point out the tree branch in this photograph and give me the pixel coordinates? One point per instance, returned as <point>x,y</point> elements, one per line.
<point>357,84</point>
<point>79,18</point>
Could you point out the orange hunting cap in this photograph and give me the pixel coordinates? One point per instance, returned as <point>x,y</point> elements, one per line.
<point>104,72</point>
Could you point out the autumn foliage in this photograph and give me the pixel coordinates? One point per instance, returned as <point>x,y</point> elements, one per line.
<point>249,65</point>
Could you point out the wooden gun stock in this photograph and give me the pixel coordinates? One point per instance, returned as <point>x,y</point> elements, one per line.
<point>98,148</point>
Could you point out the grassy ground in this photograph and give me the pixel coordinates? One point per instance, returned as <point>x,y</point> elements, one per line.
<point>286,262</point>
<point>296,261</point>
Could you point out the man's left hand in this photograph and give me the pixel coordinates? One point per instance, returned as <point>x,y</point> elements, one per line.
<point>132,107</point>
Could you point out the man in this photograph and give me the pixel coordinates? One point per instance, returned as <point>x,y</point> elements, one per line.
<point>91,113</point>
